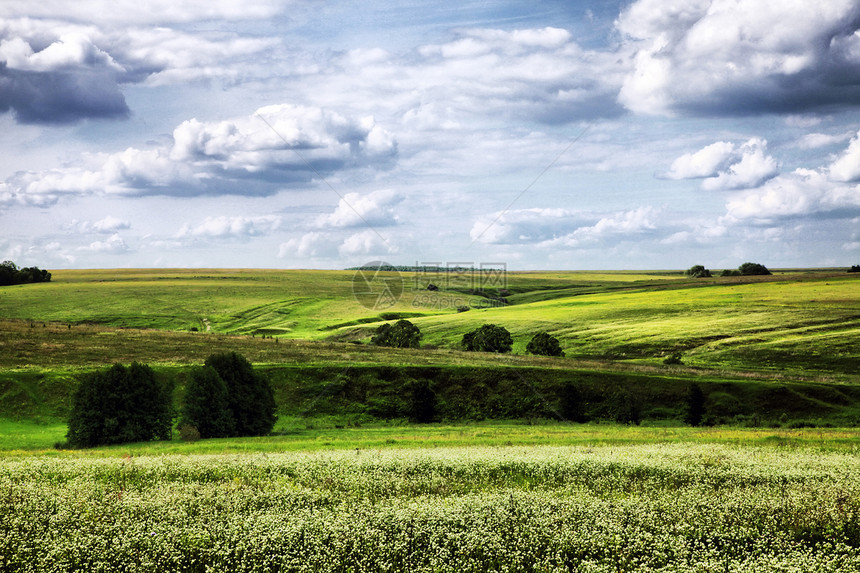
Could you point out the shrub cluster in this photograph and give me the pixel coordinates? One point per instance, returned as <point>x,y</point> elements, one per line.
<point>488,338</point>
<point>402,334</point>
<point>224,398</point>
<point>746,269</point>
<point>10,274</point>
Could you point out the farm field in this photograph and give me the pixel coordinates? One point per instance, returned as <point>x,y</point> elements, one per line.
<point>641,507</point>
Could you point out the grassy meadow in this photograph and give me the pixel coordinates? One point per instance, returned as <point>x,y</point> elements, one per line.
<point>503,481</point>
<point>793,321</point>
<point>643,507</point>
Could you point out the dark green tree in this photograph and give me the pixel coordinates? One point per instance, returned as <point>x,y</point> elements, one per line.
<point>626,409</point>
<point>544,344</point>
<point>697,271</point>
<point>748,269</point>
<point>402,334</point>
<point>488,338</point>
<point>422,402</point>
<point>854,269</point>
<point>120,405</point>
<point>8,273</point>
<point>695,405</point>
<point>572,406</point>
<point>206,405</point>
<point>250,396</point>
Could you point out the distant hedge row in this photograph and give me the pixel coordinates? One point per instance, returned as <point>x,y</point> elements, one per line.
<point>10,274</point>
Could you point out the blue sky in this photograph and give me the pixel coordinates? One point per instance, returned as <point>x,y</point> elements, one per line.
<point>546,135</point>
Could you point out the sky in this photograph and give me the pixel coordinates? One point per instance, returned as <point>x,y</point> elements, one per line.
<point>575,134</point>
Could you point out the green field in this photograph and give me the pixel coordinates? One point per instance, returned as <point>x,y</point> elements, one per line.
<point>792,321</point>
<point>646,507</point>
<point>781,349</point>
<point>503,481</point>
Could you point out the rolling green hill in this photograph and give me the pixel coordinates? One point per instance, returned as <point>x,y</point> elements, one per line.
<point>767,346</point>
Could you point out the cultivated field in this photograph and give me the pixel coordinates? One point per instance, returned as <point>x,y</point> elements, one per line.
<point>676,507</point>
<point>502,482</point>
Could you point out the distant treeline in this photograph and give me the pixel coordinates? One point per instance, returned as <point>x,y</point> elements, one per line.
<point>10,274</point>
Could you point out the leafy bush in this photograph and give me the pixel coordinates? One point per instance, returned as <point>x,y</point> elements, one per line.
<point>422,403</point>
<point>488,338</point>
<point>572,404</point>
<point>695,405</point>
<point>207,405</point>
<point>854,269</point>
<point>188,433</point>
<point>402,334</point>
<point>249,395</point>
<point>120,405</point>
<point>697,271</point>
<point>673,360</point>
<point>749,269</point>
<point>626,409</point>
<point>544,344</point>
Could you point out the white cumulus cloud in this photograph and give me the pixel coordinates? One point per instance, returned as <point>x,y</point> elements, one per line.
<point>726,166</point>
<point>847,166</point>
<point>225,227</point>
<point>730,57</point>
<point>376,209</point>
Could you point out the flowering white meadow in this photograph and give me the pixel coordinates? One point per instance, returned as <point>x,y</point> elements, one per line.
<point>679,507</point>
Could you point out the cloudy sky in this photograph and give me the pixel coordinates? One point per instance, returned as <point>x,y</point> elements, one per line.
<point>569,134</point>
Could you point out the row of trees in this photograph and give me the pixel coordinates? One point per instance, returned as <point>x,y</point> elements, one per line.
<point>488,338</point>
<point>746,269</point>
<point>223,398</point>
<point>10,274</point>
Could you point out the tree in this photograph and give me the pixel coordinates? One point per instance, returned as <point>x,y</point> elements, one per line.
<point>207,406</point>
<point>854,269</point>
<point>120,405</point>
<point>10,274</point>
<point>572,403</point>
<point>544,344</point>
<point>626,408</point>
<point>748,269</point>
<point>488,338</point>
<point>249,395</point>
<point>403,334</point>
<point>695,405</point>
<point>422,406</point>
<point>697,271</point>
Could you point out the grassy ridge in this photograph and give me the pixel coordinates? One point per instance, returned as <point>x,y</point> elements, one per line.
<point>795,321</point>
